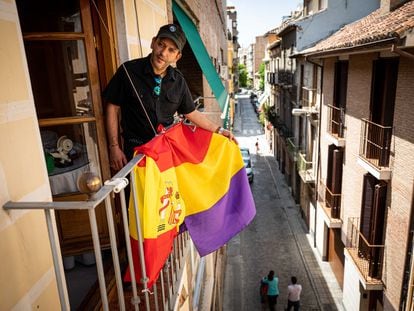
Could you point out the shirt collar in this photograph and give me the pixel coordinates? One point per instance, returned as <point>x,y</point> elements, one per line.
<point>171,74</point>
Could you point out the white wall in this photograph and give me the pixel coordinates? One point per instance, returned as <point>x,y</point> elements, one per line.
<point>320,25</point>
<point>351,294</point>
<point>321,232</point>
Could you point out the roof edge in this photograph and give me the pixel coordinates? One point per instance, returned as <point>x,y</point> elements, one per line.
<point>342,50</point>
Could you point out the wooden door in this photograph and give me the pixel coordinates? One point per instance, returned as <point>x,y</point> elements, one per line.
<point>62,59</point>
<point>336,254</point>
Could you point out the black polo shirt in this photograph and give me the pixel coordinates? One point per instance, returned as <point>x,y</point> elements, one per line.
<point>174,97</point>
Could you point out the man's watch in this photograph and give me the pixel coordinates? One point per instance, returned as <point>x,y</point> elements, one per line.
<point>220,130</point>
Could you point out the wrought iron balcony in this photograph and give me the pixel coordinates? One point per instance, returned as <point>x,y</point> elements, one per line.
<point>113,295</point>
<point>375,143</point>
<point>331,202</point>
<point>272,78</point>
<point>285,77</point>
<point>291,147</point>
<point>368,258</point>
<point>305,168</point>
<point>336,121</point>
<point>283,130</point>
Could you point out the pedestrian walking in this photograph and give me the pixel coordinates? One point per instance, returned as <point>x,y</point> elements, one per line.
<point>272,289</point>
<point>257,146</point>
<point>294,291</point>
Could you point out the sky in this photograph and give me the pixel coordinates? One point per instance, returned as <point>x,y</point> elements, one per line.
<point>256,17</point>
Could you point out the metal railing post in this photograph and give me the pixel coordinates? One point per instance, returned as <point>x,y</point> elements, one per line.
<point>114,250</point>
<point>57,261</point>
<point>98,257</point>
<point>135,300</point>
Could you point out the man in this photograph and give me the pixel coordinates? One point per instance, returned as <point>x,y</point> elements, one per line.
<point>147,92</point>
<point>294,291</point>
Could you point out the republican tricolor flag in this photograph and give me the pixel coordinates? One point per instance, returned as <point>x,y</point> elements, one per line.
<point>193,176</point>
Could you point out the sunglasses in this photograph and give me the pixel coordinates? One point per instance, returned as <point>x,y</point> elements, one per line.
<point>157,87</point>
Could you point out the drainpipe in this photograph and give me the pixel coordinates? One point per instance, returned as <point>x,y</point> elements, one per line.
<point>396,50</point>
<point>319,150</point>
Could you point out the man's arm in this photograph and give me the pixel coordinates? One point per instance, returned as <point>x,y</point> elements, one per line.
<point>117,157</point>
<point>200,120</point>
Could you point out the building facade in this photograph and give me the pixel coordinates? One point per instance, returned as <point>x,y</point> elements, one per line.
<point>365,185</point>
<point>232,69</point>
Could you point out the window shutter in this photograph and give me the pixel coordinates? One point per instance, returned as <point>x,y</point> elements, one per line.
<point>337,158</point>
<point>367,204</point>
<point>331,149</point>
<point>377,231</point>
<point>380,196</point>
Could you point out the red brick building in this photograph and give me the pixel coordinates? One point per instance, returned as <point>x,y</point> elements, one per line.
<point>364,222</point>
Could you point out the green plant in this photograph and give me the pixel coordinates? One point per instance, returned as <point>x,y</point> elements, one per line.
<point>262,118</point>
<point>242,75</point>
<point>261,75</point>
<point>270,114</point>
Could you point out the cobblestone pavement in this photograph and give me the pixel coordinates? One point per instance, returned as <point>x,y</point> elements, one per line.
<point>276,239</point>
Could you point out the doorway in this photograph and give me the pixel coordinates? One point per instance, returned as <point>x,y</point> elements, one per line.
<point>66,75</point>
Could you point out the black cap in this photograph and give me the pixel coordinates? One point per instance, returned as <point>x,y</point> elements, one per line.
<point>173,32</point>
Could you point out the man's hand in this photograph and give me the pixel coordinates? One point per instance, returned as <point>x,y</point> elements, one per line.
<point>117,158</point>
<point>228,134</point>
<point>200,120</point>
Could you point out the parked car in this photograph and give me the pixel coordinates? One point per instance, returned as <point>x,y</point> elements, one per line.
<point>247,163</point>
<point>242,91</point>
<point>253,97</point>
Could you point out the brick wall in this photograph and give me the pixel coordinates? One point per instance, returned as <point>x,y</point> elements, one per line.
<point>401,186</point>
<point>210,18</point>
<point>327,96</point>
<point>357,107</point>
<point>188,65</point>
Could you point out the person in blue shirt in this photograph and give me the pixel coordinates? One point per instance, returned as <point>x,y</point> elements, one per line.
<point>272,289</point>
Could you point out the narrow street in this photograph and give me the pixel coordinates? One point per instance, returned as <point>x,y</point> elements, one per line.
<point>276,239</point>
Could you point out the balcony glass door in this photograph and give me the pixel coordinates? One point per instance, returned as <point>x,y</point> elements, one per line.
<point>61,56</point>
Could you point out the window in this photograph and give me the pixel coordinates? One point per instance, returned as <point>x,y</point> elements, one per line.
<point>372,221</point>
<point>322,4</point>
<point>60,49</point>
<point>384,85</point>
<point>334,179</point>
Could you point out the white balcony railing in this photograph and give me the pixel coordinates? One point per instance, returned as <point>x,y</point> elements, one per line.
<point>305,168</point>
<point>170,276</point>
<point>308,97</point>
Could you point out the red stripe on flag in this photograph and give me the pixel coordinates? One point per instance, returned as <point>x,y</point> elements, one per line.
<point>172,149</point>
<point>156,254</point>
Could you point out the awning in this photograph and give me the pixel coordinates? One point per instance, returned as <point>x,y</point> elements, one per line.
<point>225,114</point>
<point>203,59</point>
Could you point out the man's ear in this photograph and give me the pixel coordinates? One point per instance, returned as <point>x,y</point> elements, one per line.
<point>153,42</point>
<point>177,58</point>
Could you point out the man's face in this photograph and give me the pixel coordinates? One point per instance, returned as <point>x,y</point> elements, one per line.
<point>164,53</point>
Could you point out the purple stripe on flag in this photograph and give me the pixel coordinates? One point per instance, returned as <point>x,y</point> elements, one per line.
<point>214,227</point>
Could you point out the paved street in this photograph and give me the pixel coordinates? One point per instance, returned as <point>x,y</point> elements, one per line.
<point>276,239</point>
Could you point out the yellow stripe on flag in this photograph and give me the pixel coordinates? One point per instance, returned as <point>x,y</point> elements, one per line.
<point>207,182</point>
